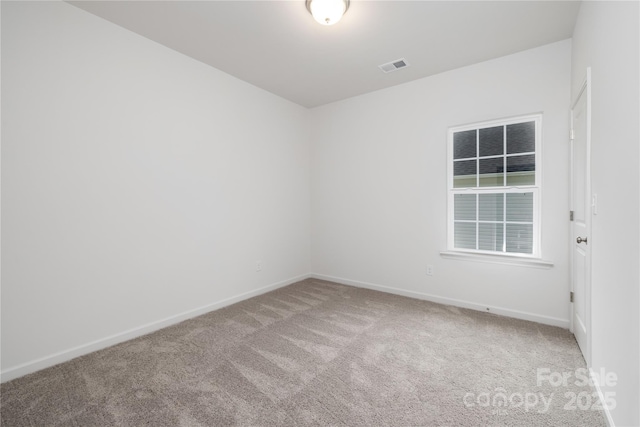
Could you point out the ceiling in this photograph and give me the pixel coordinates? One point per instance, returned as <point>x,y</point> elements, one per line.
<point>277,46</point>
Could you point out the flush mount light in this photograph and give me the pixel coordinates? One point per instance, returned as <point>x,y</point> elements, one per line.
<point>327,12</point>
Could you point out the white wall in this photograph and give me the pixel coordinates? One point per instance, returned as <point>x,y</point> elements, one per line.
<point>606,37</point>
<point>137,184</point>
<point>379,189</point>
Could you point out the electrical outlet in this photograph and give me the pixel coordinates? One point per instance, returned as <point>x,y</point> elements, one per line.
<point>429,270</point>
<point>258,265</point>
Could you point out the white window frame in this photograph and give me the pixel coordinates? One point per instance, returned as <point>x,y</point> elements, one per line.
<point>535,189</point>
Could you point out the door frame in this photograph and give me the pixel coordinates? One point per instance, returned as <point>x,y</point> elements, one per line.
<point>585,89</point>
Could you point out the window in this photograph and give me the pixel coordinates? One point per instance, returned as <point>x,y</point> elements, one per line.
<point>494,187</point>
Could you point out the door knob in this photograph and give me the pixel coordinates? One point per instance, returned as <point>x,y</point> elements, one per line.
<point>580,240</point>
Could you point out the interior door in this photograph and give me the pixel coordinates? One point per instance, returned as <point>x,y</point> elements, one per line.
<point>581,207</point>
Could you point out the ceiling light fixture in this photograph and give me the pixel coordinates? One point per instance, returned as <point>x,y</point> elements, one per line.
<point>327,12</point>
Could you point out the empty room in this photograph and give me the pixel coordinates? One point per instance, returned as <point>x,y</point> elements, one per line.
<point>320,212</point>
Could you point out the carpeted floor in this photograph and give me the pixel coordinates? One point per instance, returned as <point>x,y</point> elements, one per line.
<point>319,353</point>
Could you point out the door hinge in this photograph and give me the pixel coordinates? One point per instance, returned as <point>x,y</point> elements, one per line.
<point>570,215</point>
<point>570,296</point>
<point>572,135</point>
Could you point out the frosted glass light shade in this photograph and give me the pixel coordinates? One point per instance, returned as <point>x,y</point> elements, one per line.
<point>327,12</point>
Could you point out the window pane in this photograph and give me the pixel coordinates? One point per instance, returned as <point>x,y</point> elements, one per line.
<point>491,207</point>
<point>521,138</point>
<point>521,170</point>
<point>464,235</point>
<point>464,144</point>
<point>517,179</point>
<point>465,207</point>
<point>520,238</point>
<point>491,172</point>
<point>520,207</point>
<point>490,237</point>
<point>464,173</point>
<point>491,141</point>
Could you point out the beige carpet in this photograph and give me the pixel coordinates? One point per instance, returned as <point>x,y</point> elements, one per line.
<point>318,353</point>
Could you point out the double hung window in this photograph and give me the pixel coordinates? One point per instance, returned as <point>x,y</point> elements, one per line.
<point>494,187</point>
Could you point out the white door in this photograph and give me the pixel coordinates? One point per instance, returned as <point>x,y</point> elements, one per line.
<point>581,205</point>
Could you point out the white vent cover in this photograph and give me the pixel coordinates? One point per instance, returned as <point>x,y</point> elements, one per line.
<point>394,65</point>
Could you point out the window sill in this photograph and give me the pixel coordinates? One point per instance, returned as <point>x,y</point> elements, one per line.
<point>497,259</point>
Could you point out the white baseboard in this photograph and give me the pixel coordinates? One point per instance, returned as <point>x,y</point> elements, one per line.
<point>66,355</point>
<point>81,350</point>
<point>547,320</point>
<point>596,384</point>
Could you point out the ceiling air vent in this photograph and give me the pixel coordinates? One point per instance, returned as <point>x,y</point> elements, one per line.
<point>394,65</point>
